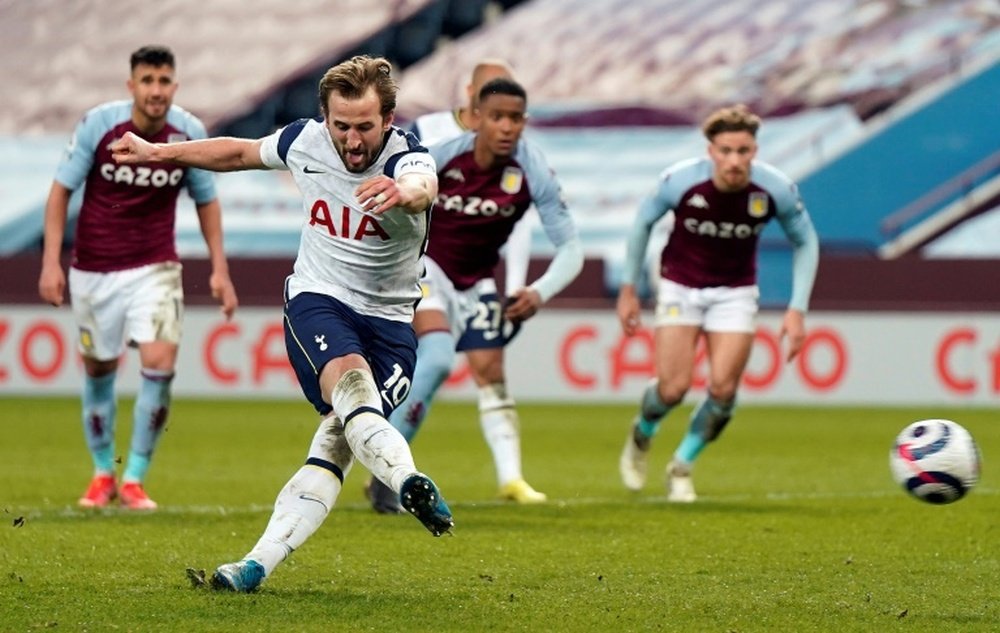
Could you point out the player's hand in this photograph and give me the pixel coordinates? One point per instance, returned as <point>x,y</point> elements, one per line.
<point>224,291</point>
<point>522,305</point>
<point>628,310</point>
<point>377,195</point>
<point>794,327</point>
<point>52,285</point>
<point>131,149</point>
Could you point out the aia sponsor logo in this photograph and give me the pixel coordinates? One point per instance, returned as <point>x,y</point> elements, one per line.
<point>347,226</point>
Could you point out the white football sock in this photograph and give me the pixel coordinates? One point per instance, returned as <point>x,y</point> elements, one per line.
<point>375,443</point>
<point>306,500</point>
<point>501,428</point>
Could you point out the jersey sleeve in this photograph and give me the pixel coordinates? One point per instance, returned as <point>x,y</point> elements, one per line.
<point>547,196</point>
<point>653,207</point>
<point>200,182</point>
<point>274,148</point>
<point>794,220</point>
<point>411,162</point>
<point>79,154</point>
<point>444,151</point>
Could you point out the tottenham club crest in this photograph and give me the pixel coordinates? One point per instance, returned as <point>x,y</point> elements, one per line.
<point>757,204</point>
<point>511,180</point>
<point>321,341</point>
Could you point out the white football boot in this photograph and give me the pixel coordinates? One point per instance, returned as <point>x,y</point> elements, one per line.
<point>634,459</point>
<point>680,487</point>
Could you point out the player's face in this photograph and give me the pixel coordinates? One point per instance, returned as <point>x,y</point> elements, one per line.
<point>732,152</point>
<point>152,89</point>
<point>356,127</point>
<point>501,121</point>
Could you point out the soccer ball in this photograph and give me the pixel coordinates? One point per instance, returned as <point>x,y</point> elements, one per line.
<point>936,461</point>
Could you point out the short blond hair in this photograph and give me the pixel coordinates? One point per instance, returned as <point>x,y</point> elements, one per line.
<point>735,118</point>
<point>352,78</point>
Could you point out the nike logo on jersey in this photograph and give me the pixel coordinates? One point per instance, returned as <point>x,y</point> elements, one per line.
<point>309,170</point>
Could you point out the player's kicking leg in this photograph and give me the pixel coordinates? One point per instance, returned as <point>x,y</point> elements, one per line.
<point>384,451</point>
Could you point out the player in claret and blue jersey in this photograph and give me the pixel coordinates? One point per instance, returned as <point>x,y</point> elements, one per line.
<point>708,288</point>
<point>488,179</point>
<point>125,278</point>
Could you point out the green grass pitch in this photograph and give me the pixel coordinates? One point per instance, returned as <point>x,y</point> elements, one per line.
<point>799,528</point>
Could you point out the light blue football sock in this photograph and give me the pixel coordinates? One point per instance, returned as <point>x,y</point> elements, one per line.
<point>149,418</point>
<point>652,410</point>
<point>99,408</point>
<point>707,422</point>
<point>435,358</point>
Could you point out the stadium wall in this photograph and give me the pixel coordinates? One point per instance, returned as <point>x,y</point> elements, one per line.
<point>930,336</point>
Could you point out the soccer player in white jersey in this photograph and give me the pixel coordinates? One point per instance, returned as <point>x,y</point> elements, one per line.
<point>125,277</point>
<point>367,188</point>
<point>488,179</point>
<point>708,286</point>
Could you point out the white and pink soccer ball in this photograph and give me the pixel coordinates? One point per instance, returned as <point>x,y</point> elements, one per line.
<point>936,461</point>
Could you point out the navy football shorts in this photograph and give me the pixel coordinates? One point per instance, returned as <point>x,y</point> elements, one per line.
<point>319,328</point>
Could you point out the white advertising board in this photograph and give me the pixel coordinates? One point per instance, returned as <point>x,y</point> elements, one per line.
<point>564,355</point>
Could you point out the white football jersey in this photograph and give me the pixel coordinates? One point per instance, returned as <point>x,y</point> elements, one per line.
<point>371,263</point>
<point>437,127</point>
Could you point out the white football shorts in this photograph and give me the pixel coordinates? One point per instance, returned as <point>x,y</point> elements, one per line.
<point>719,309</point>
<point>460,306</point>
<point>137,305</point>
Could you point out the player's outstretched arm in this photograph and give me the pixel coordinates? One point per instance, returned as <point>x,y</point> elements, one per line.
<point>216,154</point>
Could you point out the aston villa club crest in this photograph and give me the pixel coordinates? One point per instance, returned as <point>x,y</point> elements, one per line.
<point>511,180</point>
<point>757,204</point>
<point>86,339</point>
